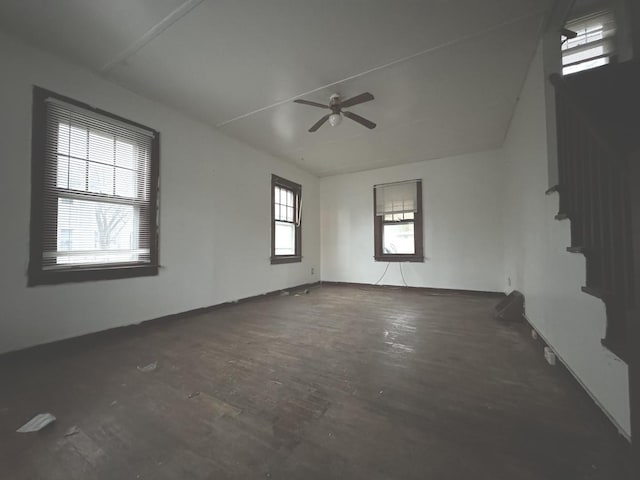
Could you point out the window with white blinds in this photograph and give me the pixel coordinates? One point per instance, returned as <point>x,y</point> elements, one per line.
<point>94,193</point>
<point>396,201</point>
<point>594,44</point>
<point>398,221</point>
<point>285,219</point>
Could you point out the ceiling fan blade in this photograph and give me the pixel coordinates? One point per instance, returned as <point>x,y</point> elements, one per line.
<point>357,100</point>
<point>357,118</point>
<point>319,123</point>
<point>313,104</point>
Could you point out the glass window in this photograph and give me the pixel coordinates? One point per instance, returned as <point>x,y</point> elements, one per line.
<point>96,207</point>
<point>286,216</point>
<point>398,221</point>
<point>593,44</point>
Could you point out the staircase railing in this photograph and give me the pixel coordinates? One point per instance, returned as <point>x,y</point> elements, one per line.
<point>594,196</point>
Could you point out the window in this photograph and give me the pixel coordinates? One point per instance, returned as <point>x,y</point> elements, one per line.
<point>93,195</point>
<point>398,221</point>
<point>593,45</point>
<point>286,200</point>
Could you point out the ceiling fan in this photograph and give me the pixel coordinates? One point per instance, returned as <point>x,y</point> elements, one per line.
<point>336,105</point>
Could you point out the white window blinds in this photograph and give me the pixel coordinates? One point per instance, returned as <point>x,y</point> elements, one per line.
<point>594,44</point>
<point>396,198</point>
<point>97,190</point>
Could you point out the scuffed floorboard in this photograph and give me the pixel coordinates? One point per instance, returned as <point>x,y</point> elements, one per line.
<point>345,382</point>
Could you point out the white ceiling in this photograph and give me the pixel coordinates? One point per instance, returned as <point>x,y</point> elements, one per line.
<point>445,73</point>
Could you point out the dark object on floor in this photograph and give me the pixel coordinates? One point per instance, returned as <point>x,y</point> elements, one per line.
<point>511,308</point>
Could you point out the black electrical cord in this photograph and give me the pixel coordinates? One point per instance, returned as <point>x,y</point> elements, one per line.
<point>402,274</point>
<point>383,274</point>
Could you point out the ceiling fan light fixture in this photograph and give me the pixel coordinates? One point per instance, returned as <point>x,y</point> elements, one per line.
<point>335,119</point>
<point>336,113</point>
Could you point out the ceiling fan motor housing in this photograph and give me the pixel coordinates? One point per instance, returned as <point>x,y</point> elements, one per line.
<point>334,103</point>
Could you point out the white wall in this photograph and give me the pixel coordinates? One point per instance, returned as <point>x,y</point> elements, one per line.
<point>215,214</point>
<point>462,205</point>
<point>215,237</point>
<point>537,262</point>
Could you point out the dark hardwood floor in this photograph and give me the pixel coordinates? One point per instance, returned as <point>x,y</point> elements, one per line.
<point>345,382</point>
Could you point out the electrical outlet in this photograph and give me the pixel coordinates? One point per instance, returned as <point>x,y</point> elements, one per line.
<point>312,270</point>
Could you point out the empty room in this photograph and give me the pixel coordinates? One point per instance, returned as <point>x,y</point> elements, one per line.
<point>305,239</point>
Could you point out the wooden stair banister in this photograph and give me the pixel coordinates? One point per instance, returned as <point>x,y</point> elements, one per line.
<point>594,192</point>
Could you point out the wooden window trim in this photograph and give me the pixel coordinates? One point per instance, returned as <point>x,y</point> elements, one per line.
<point>297,191</point>
<point>36,274</point>
<point>378,223</point>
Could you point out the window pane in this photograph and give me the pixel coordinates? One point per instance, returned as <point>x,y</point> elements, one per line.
<point>125,155</point>
<point>100,178</point>
<point>598,62</point>
<point>289,198</point>
<point>398,238</point>
<point>101,147</point>
<point>62,172</point>
<point>77,174</point>
<point>584,55</point>
<point>285,239</point>
<point>64,239</point>
<point>63,138</point>
<point>125,183</point>
<point>96,233</point>
<point>77,146</point>
<point>595,35</point>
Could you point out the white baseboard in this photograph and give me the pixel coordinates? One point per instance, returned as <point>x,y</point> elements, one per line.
<point>584,387</point>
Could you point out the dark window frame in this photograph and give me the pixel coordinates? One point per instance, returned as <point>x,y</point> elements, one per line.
<point>39,166</point>
<point>296,188</point>
<point>586,17</point>
<point>378,226</point>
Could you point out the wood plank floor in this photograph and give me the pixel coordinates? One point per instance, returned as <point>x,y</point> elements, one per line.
<point>346,382</point>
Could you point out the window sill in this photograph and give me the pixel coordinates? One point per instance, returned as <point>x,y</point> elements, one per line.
<point>52,277</point>
<point>398,258</point>
<point>276,260</point>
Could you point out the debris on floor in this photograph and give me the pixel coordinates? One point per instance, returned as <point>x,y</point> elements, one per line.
<point>549,356</point>
<point>114,403</point>
<point>72,431</point>
<point>37,423</point>
<point>303,292</point>
<point>148,368</point>
<point>284,293</point>
<point>219,407</point>
<point>534,334</point>
<point>193,394</point>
